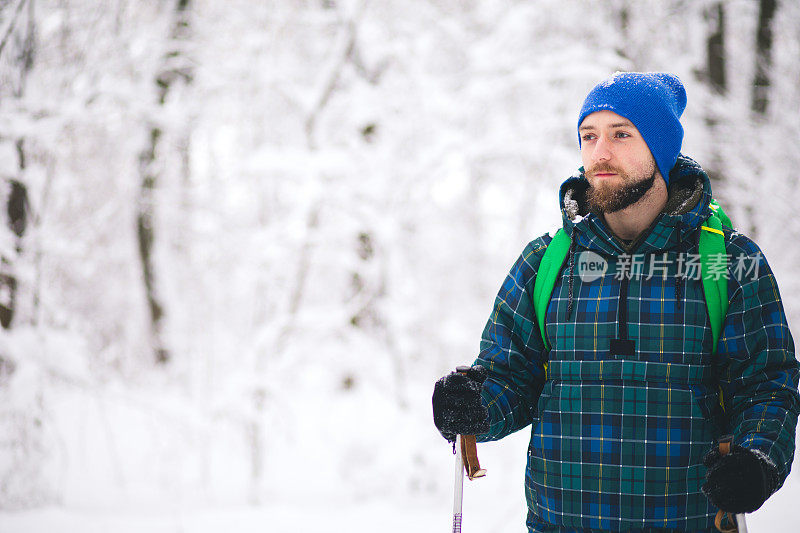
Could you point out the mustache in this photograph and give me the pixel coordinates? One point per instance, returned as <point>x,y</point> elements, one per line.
<point>602,167</point>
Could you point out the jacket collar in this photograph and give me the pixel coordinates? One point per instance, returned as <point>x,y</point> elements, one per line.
<point>689,194</point>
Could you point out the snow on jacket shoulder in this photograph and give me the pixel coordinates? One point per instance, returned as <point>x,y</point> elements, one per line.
<point>618,435</point>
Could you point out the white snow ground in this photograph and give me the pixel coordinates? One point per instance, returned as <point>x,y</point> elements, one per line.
<point>494,504</point>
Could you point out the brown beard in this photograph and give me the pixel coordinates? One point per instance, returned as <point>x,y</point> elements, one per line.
<point>609,200</point>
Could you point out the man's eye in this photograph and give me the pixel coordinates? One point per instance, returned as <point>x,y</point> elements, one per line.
<point>622,134</point>
<point>588,137</point>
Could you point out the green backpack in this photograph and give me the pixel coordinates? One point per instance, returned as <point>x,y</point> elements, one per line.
<point>712,241</point>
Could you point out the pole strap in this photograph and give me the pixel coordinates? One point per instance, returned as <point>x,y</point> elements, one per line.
<point>469,452</point>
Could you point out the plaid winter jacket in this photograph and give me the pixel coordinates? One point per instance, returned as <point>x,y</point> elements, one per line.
<point>619,429</point>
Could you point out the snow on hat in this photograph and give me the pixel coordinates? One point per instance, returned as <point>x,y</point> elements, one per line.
<point>653,101</point>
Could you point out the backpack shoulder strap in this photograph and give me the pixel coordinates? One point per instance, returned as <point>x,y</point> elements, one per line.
<point>715,282</point>
<point>549,268</point>
<point>717,210</point>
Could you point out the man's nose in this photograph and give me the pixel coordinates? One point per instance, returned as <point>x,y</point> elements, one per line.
<point>602,150</point>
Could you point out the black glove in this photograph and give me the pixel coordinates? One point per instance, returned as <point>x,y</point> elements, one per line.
<point>739,482</point>
<point>457,406</point>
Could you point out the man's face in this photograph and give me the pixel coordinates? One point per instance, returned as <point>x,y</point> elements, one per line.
<point>616,160</point>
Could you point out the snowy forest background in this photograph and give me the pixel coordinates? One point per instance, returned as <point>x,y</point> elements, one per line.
<point>240,240</point>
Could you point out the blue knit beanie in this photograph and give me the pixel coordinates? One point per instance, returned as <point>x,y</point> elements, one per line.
<point>653,101</point>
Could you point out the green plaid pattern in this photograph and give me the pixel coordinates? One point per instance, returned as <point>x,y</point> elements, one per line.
<point>617,441</point>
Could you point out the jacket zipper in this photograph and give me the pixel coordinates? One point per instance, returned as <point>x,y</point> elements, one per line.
<point>622,312</point>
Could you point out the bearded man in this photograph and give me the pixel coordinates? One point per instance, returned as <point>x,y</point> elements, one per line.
<point>625,381</point>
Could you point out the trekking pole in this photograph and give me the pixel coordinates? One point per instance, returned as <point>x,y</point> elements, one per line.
<point>725,521</point>
<point>466,452</point>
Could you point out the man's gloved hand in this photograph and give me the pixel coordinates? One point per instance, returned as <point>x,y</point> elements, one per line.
<point>739,482</point>
<point>457,406</point>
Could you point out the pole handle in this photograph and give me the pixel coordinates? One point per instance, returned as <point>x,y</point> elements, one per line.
<point>724,521</point>
<point>469,447</point>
